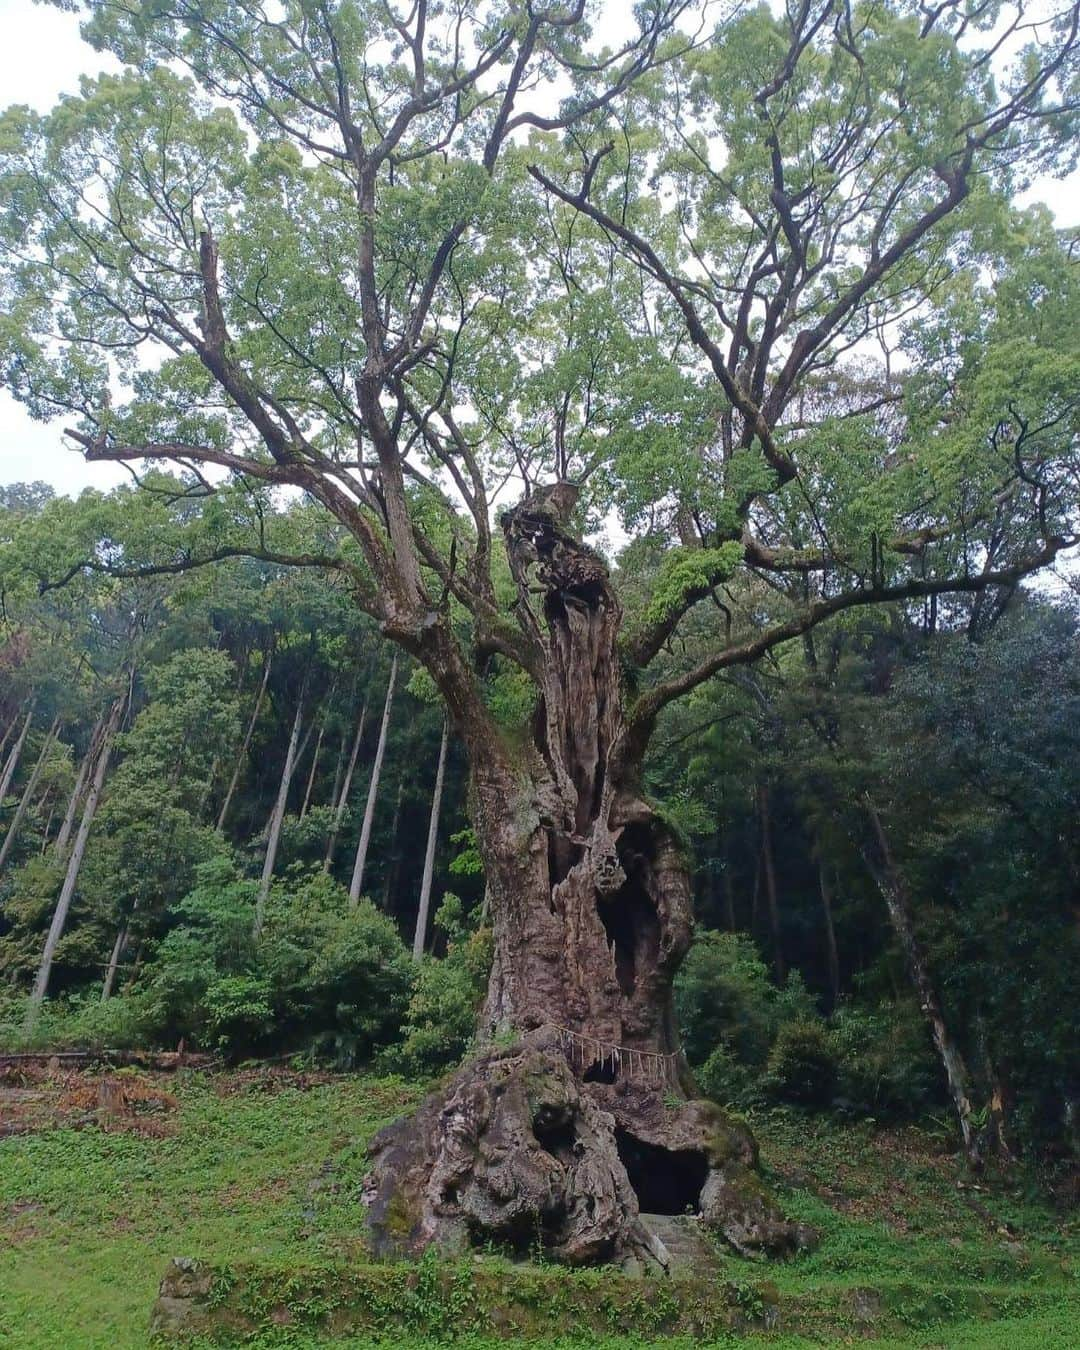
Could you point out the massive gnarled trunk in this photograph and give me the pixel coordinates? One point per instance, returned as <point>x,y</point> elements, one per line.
<point>574,1119</point>
<point>591,899</point>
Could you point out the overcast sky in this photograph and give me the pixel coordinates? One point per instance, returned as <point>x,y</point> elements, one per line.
<point>41,57</point>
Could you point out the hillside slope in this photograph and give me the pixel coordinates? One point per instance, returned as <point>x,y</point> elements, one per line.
<point>105,1177</point>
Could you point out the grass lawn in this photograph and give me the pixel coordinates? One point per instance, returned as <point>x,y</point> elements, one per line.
<point>264,1168</point>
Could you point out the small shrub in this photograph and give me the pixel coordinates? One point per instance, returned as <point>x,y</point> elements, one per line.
<point>802,1065</point>
<point>441,1017</point>
<point>885,1061</point>
<point>724,1080</point>
<point>323,974</point>
<point>78,1022</point>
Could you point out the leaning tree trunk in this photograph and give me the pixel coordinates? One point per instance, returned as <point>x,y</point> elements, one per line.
<point>356,883</point>
<point>9,731</point>
<point>115,955</point>
<point>831,952</point>
<point>293,753</point>
<point>573,1118</point>
<point>420,933</point>
<point>50,797</point>
<point>246,742</point>
<point>317,752</point>
<point>768,872</point>
<point>71,876</point>
<point>898,903</point>
<point>27,793</point>
<point>12,761</point>
<point>63,838</point>
<point>342,801</point>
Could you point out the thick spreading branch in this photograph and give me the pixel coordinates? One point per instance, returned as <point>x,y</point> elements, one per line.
<point>650,703</point>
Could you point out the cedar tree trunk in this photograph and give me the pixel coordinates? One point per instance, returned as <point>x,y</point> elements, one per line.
<point>420,933</point>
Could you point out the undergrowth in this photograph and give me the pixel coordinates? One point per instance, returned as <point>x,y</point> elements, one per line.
<point>265,1169</point>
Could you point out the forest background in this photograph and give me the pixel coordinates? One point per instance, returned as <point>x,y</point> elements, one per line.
<point>217,832</point>
<point>240,720</point>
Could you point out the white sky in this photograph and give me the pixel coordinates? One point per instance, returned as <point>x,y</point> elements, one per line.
<point>43,56</point>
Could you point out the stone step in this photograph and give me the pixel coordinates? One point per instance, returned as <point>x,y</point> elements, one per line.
<point>688,1245</point>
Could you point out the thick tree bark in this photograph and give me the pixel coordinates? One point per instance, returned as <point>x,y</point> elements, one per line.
<point>342,803</point>
<point>277,815</point>
<point>420,935</point>
<point>578,1122</point>
<point>27,794</point>
<point>245,745</point>
<point>356,884</point>
<point>67,891</point>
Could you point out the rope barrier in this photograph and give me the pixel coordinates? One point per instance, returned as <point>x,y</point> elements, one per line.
<point>590,1050</point>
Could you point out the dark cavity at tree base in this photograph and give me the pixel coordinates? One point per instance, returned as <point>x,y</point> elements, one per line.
<point>514,1153</point>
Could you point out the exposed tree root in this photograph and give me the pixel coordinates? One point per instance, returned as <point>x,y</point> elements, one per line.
<point>514,1152</point>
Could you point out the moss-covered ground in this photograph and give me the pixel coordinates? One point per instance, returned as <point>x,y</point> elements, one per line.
<point>261,1171</point>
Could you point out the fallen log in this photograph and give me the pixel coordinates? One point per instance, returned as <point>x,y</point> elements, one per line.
<point>161,1061</point>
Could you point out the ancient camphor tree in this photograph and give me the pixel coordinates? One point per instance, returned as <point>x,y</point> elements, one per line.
<point>423,261</point>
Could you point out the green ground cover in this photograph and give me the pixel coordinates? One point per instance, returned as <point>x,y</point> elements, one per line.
<point>263,1170</point>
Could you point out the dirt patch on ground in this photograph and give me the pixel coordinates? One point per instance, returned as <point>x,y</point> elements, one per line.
<point>38,1097</point>
<point>272,1078</point>
<point>19,1221</point>
<point>241,1194</point>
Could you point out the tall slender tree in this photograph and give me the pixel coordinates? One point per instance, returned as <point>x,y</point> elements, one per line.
<point>28,793</point>
<point>15,753</point>
<point>293,753</point>
<point>63,836</point>
<point>342,803</point>
<point>356,882</point>
<point>316,752</point>
<point>832,954</point>
<point>894,892</point>
<point>245,744</point>
<point>420,934</point>
<point>78,851</point>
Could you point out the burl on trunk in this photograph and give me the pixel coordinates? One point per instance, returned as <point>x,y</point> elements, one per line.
<point>574,1119</point>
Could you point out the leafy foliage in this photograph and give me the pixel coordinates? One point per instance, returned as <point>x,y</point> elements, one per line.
<point>321,974</point>
<point>440,1020</point>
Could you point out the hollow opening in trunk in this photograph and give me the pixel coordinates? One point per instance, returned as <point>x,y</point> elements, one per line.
<point>554,1133</point>
<point>632,928</point>
<point>665,1180</point>
<point>600,1071</point>
<point>563,856</point>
